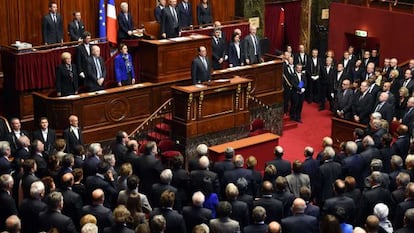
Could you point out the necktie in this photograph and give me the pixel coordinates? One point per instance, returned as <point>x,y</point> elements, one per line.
<point>98,68</point>
<point>54,18</point>
<point>185,6</point>
<point>174,14</point>
<point>406,82</point>
<point>254,44</point>
<point>378,107</point>
<point>204,62</point>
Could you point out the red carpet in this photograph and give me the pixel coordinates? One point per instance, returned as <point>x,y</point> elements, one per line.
<point>315,126</point>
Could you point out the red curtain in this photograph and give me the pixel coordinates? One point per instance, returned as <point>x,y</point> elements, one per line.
<point>282,22</point>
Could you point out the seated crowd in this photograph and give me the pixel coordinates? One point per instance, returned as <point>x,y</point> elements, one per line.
<point>366,186</point>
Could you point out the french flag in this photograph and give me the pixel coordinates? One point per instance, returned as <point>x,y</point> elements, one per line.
<point>111,22</point>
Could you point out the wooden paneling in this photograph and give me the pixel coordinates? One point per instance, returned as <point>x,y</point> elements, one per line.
<point>22,19</point>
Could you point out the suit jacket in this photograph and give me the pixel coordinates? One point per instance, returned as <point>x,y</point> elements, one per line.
<point>329,171</point>
<point>53,219</point>
<point>52,32</point>
<point>401,146</point>
<point>50,139</point>
<point>82,56</point>
<point>13,140</point>
<point>224,225</point>
<point>199,73</point>
<point>120,150</point>
<point>255,228</point>
<point>233,58</point>
<point>103,215</point>
<point>156,191</point>
<point>91,80</point>
<point>370,198</point>
<point>353,165</point>
<point>204,14</point>
<point>231,176</point>
<point>400,212</point>
<point>409,86</point>
<point>121,72</point>
<point>300,223</point>
<point>349,65</point>
<point>195,215</point>
<point>111,194</point>
<point>296,181</point>
<point>124,25</point>
<point>76,32</point>
<point>8,207</point>
<point>169,24</point>
<point>362,106</point>
<point>197,177</point>
<point>345,202</point>
<point>339,77</point>
<point>90,165</point>
<point>314,69</point>
<point>67,79</point>
<point>407,118</point>
<point>218,51</point>
<point>357,73</point>
<point>118,228</point>
<point>5,166</point>
<point>157,13</point>
<point>283,166</point>
<point>185,16</point>
<point>273,207</point>
<point>344,102</point>
<point>72,204</point>
<point>148,169</point>
<point>42,168</point>
<point>29,211</point>
<point>175,221</point>
<point>297,59</point>
<point>328,79</point>
<point>71,140</point>
<point>386,110</point>
<point>240,212</point>
<point>249,46</point>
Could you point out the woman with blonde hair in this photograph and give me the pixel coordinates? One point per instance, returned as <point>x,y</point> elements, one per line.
<point>66,76</point>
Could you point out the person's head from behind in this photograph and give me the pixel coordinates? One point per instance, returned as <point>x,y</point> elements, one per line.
<point>223,209</point>
<point>89,228</point>
<point>158,224</point>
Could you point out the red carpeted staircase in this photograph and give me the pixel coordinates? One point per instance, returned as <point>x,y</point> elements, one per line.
<point>162,130</point>
<point>288,124</point>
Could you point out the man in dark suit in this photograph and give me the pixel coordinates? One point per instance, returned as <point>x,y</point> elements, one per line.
<point>347,62</point>
<point>90,164</point>
<point>310,167</point>
<point>402,207</point>
<point>148,168</point>
<point>185,14</point>
<point>96,72</point>
<point>313,72</point>
<point>258,225</point>
<point>329,171</point>
<point>340,76</point>
<point>240,209</point>
<point>73,135</point>
<point>125,23</point>
<point>16,132</point>
<point>339,200</point>
<point>326,80</point>
<point>53,218</point>
<point>223,222</point>
<point>218,50</point>
<point>353,164</point>
<point>200,67</point>
<point>73,201</point>
<point>196,214</point>
<point>83,52</point>
<point>119,149</point>
<point>96,208</point>
<point>52,26</point>
<point>158,188</point>
<point>252,50</point>
<point>298,93</point>
<point>7,203</point>
<point>363,103</point>
<point>5,153</point>
<point>158,9</point>
<point>37,148</point>
<point>344,100</point>
<point>174,220</point>
<point>401,145</point>
<point>202,175</point>
<point>220,167</point>
<point>282,166</point>
<point>76,28</point>
<point>46,135</point>
<point>299,222</point>
<point>30,208</point>
<point>170,26</point>
<point>301,57</point>
<point>273,207</point>
<point>231,176</point>
<point>408,82</point>
<point>370,152</point>
<point>408,222</point>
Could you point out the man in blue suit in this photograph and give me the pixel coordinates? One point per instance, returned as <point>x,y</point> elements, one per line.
<point>299,221</point>
<point>185,14</point>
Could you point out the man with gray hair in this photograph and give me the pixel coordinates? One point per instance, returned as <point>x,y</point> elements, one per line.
<point>402,207</point>
<point>258,217</point>
<point>402,180</point>
<point>353,164</point>
<point>239,171</point>
<point>91,162</point>
<point>7,203</point>
<point>310,167</point>
<point>299,221</point>
<point>31,207</point>
<point>13,224</point>
<point>53,218</point>
<point>227,164</point>
<point>89,228</point>
<point>326,141</point>
<point>240,210</point>
<point>5,152</point>
<point>198,176</point>
<point>282,166</point>
<point>329,171</point>
<point>196,214</point>
<point>376,165</point>
<point>158,224</point>
<point>370,152</point>
<point>201,150</point>
<point>165,184</point>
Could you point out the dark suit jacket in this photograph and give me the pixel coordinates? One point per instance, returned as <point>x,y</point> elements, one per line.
<point>72,204</point>
<point>111,194</point>
<point>169,25</point>
<point>400,211</point>
<point>71,140</point>
<point>53,219</point>
<point>76,33</point>
<point>387,111</point>
<point>232,53</point>
<point>175,221</point>
<point>372,197</point>
<point>91,80</point>
<point>249,49</point>
<point>283,166</point>
<point>329,171</point>
<point>357,74</point>
<point>328,79</point>
<point>42,169</point>
<point>218,51</point>
<point>29,211</point>
<point>90,165</point>
<point>345,202</point>
<point>185,16</point>
<point>400,146</point>
<point>124,25</point>
<point>118,228</point>
<point>157,13</point>
<point>8,207</point>
<point>362,107</point>
<point>156,191</point>
<point>240,212</point>
<point>407,118</point>
<point>255,228</point>
<point>66,80</point>
<point>273,207</point>
<point>344,103</point>
<point>120,150</point>
<point>300,223</point>
<point>297,59</point>
<point>5,166</point>
<point>204,14</point>
<point>148,169</point>
<point>197,177</point>
<point>353,165</point>
<point>50,139</point>
<point>14,142</point>
<point>103,215</point>
<point>367,155</point>
<point>199,73</point>
<point>52,32</point>
<point>409,86</point>
<point>313,69</point>
<point>194,215</point>
<point>82,56</point>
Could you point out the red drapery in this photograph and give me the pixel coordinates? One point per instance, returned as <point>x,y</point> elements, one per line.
<point>282,22</point>
<point>36,70</point>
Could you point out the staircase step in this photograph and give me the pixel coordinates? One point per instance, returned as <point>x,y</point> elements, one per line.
<point>163,128</point>
<point>167,118</point>
<point>155,136</point>
<point>286,117</point>
<point>289,125</point>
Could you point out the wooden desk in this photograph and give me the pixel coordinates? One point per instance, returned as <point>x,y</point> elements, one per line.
<point>260,146</point>
<point>227,28</point>
<point>170,59</point>
<point>342,130</point>
<point>208,109</point>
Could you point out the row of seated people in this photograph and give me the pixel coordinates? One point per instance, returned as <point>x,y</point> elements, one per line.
<point>102,182</point>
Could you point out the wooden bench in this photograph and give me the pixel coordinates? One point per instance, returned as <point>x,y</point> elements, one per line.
<point>260,146</point>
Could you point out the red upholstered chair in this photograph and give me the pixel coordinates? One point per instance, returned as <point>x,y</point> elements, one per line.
<point>257,127</point>
<point>168,151</point>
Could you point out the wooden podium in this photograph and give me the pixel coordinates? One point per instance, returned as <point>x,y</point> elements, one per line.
<point>202,109</point>
<point>170,59</point>
<point>342,130</point>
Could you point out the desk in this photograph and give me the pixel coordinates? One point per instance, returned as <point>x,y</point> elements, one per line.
<point>260,146</point>
<point>170,59</point>
<point>228,30</point>
<point>342,130</point>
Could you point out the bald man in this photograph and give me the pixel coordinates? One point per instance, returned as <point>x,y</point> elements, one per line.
<point>274,227</point>
<point>308,224</point>
<point>73,201</point>
<point>103,215</point>
<point>13,224</point>
<point>201,67</point>
<point>73,135</point>
<point>252,49</point>
<point>273,207</point>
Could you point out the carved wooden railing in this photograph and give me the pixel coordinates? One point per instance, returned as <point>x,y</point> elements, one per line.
<point>140,133</point>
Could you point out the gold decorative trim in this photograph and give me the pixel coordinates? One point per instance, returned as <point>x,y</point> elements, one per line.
<point>200,103</point>
<point>189,102</point>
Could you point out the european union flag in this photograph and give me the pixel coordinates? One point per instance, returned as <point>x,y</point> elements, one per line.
<point>102,20</point>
